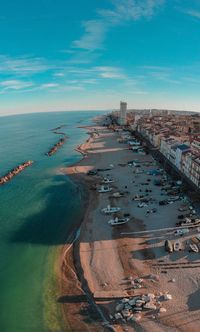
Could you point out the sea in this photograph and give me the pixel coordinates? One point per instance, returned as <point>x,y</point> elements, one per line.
<point>37,210</point>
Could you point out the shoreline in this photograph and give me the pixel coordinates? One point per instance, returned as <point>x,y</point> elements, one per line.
<point>70,258</point>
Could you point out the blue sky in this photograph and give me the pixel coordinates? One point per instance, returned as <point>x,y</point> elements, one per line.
<point>90,54</point>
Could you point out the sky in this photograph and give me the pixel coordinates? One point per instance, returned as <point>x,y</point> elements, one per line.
<point>90,54</point>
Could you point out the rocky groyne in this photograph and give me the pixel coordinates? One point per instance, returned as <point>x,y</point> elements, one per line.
<point>13,172</point>
<point>56,146</point>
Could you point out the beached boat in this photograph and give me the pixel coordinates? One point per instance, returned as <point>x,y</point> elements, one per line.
<point>177,246</point>
<point>117,194</point>
<point>104,189</point>
<point>168,246</point>
<point>118,221</point>
<point>193,247</point>
<point>109,209</point>
<point>107,180</point>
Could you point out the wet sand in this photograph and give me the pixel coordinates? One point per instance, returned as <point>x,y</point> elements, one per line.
<point>103,259</point>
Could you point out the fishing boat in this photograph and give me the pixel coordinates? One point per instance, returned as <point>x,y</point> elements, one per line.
<point>109,209</point>
<point>104,189</point>
<point>118,221</point>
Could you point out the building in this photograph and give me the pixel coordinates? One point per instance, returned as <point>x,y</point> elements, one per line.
<point>122,114</point>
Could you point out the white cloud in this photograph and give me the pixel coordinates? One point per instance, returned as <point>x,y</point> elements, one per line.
<point>94,73</point>
<point>125,10</point>
<point>110,72</point>
<point>59,75</point>
<point>94,35</point>
<point>121,11</point>
<point>49,85</point>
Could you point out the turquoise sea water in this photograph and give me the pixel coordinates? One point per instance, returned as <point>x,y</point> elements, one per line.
<point>36,210</point>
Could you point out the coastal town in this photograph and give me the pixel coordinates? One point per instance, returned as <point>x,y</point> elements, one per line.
<point>139,241</point>
<point>176,135</point>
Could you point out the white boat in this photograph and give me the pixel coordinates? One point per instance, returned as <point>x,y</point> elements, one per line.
<point>104,189</point>
<point>118,221</point>
<point>117,195</point>
<point>141,205</point>
<point>177,246</point>
<point>110,209</point>
<point>194,248</point>
<point>107,180</point>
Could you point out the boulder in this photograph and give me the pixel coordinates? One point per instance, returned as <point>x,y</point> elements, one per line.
<point>118,316</point>
<point>150,306</point>
<point>136,318</point>
<point>125,313</point>
<point>132,301</point>
<point>119,307</point>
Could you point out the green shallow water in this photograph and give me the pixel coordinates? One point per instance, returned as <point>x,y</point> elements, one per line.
<point>37,210</point>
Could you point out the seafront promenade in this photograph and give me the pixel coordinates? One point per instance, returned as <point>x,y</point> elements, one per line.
<point>130,260</point>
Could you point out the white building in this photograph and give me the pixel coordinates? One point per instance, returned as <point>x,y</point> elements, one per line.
<point>123,109</point>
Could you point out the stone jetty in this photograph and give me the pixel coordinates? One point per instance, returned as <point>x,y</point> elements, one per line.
<point>8,177</point>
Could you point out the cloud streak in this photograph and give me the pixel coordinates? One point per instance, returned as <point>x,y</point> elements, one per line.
<point>193,13</point>
<point>14,85</point>
<point>23,65</point>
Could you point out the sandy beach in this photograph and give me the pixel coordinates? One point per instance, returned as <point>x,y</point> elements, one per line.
<point>103,260</point>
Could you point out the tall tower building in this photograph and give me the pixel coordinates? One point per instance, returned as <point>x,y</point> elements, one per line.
<point>123,109</point>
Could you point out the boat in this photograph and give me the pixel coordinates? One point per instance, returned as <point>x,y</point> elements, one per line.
<point>177,246</point>
<point>104,189</point>
<point>193,247</point>
<point>107,180</point>
<point>117,194</point>
<point>110,209</point>
<point>118,221</point>
<point>168,246</point>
